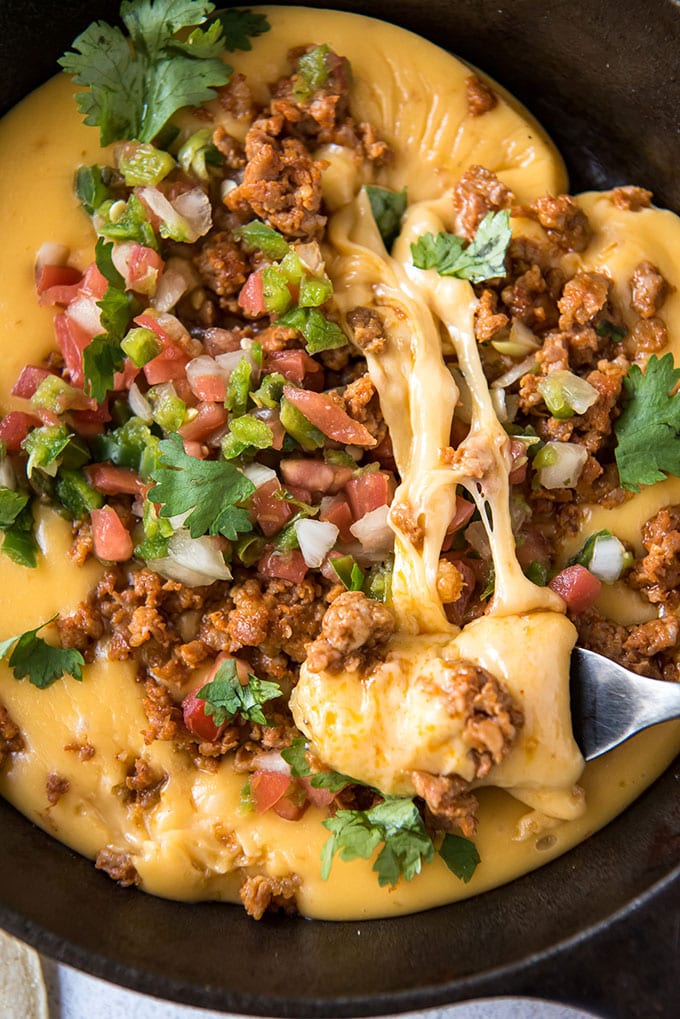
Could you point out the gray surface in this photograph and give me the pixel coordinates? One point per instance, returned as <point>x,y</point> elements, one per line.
<point>73,995</point>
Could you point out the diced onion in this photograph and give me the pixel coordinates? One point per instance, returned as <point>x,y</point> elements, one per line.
<point>259,474</point>
<point>515,373</point>
<point>50,253</point>
<point>609,558</point>
<point>171,286</point>
<point>7,476</point>
<point>476,536</point>
<point>120,256</point>
<point>520,341</point>
<point>373,531</point>
<point>565,393</point>
<point>316,538</point>
<point>271,761</point>
<point>311,257</point>
<point>499,404</point>
<point>139,405</point>
<point>186,219</point>
<point>194,207</point>
<point>568,460</point>
<point>177,521</point>
<point>192,561</point>
<point>86,314</point>
<point>202,366</point>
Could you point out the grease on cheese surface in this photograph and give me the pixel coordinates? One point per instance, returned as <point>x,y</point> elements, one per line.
<point>196,844</point>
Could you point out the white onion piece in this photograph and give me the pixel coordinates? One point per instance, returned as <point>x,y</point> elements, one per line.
<point>515,373</point>
<point>86,314</point>
<point>608,559</point>
<point>139,405</point>
<point>477,536</point>
<point>316,538</point>
<point>186,219</point>
<point>499,404</point>
<point>569,461</point>
<point>171,286</point>
<point>192,561</point>
<point>7,476</point>
<point>195,208</point>
<point>171,325</point>
<point>204,365</point>
<point>373,531</point>
<point>120,256</point>
<point>311,257</point>
<point>520,342</point>
<point>50,253</point>
<point>259,474</point>
<point>230,360</point>
<point>178,520</point>
<point>271,761</point>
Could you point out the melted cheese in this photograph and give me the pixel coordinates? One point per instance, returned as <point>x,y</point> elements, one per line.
<point>196,844</point>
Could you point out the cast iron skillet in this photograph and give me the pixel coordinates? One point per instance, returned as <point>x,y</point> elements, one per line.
<point>596,928</point>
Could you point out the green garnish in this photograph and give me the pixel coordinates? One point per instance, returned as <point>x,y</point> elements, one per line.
<point>320,333</point>
<point>614,332</point>
<point>92,187</point>
<point>225,697</point>
<point>43,664</point>
<point>387,207</point>
<point>11,505</point>
<point>257,236</point>
<point>312,72</point>
<point>211,489</point>
<point>44,447</point>
<point>296,756</point>
<point>648,430</point>
<point>135,89</point>
<point>240,26</point>
<point>460,856</point>
<point>246,434</point>
<point>239,386</point>
<point>348,572</point>
<point>482,259</point>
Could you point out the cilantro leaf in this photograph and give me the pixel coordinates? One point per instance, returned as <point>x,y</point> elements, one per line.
<point>42,663</point>
<point>348,572</point>
<point>225,697</point>
<point>396,823</point>
<point>387,207</point>
<point>482,259</point>
<point>334,781</point>
<point>102,358</point>
<point>296,756</point>
<point>103,256</point>
<point>648,429</point>
<point>460,856</point>
<point>20,545</point>
<point>11,505</point>
<point>133,92</point>
<point>238,25</point>
<point>211,489</point>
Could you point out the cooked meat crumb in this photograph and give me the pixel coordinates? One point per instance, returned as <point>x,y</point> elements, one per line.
<point>631,198</point>
<point>367,328</point>
<point>118,865</point>
<point>648,290</point>
<point>56,787</point>
<point>261,893</point>
<point>480,97</point>
<point>11,740</point>
<point>354,632</point>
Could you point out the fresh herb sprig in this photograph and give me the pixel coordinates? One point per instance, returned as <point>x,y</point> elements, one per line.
<point>169,61</point>
<point>648,430</point>
<point>387,207</point>
<point>43,664</point>
<point>225,697</point>
<point>482,259</point>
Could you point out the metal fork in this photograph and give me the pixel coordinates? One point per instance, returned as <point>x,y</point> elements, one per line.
<point>609,704</point>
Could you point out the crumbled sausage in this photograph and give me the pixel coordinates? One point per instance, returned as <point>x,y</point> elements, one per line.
<point>565,223</point>
<point>530,299</point>
<point>658,572</point>
<point>648,290</point>
<point>368,329</point>
<point>362,403</point>
<point>480,97</point>
<point>631,198</point>
<point>56,786</point>
<point>448,805</point>
<point>83,749</point>
<point>478,192</point>
<point>118,865</point>
<point>11,740</point>
<point>222,266</point>
<point>488,320</point>
<point>583,297</point>
<point>261,893</point>
<point>144,784</point>
<point>354,630</point>
<point>648,336</point>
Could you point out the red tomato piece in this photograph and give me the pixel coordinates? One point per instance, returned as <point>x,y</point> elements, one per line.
<point>314,475</point>
<point>196,720</point>
<point>270,513</point>
<point>29,379</point>
<point>293,805</point>
<point>577,586</point>
<point>152,323</point>
<point>251,298</point>
<point>368,492</point>
<point>210,418</point>
<point>111,539</point>
<point>113,480</point>
<point>14,428</point>
<point>170,364</point>
<point>384,454</point>
<point>72,340</point>
<point>338,512</point>
<point>123,380</point>
<point>321,798</point>
<point>144,267</point>
<point>284,565</point>
<point>211,388</point>
<point>328,417</point>
<point>51,276</point>
<point>267,788</point>
<point>297,366</point>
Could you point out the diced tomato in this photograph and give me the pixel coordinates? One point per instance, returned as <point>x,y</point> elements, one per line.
<point>185,392</point>
<point>29,379</point>
<point>321,798</point>
<point>297,366</point>
<point>328,417</point>
<point>368,492</point>
<point>283,565</point>
<point>270,513</point>
<point>152,323</point>
<point>48,417</point>
<point>251,298</point>
<point>90,421</point>
<point>170,364</point>
<point>577,586</point>
<point>338,512</point>
<point>210,418</point>
<point>50,276</point>
<point>113,480</point>
<point>144,268</point>
<point>293,805</point>
<point>72,340</point>
<point>196,720</point>
<point>315,475</point>
<point>211,388</point>
<point>14,428</point>
<point>94,283</point>
<point>267,788</point>
<point>123,380</point>
<point>461,515</point>
<point>111,539</point>
<point>299,493</point>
